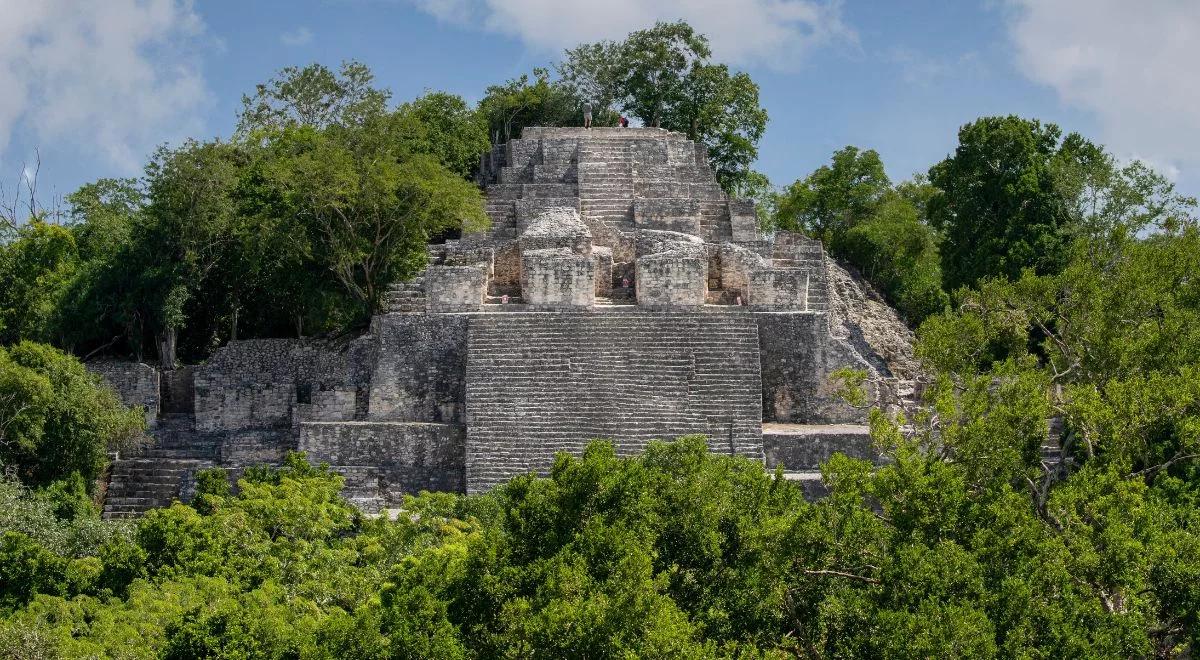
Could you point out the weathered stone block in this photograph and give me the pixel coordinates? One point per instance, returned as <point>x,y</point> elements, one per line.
<point>558,279</point>
<point>419,372</point>
<point>778,289</point>
<point>410,456</point>
<point>557,228</point>
<point>529,209</point>
<point>451,289</point>
<point>738,264</point>
<point>469,255</point>
<point>506,269</point>
<point>332,405</point>
<point>798,447</point>
<point>678,215</point>
<point>136,384</point>
<point>743,220</point>
<point>651,241</point>
<point>671,281</point>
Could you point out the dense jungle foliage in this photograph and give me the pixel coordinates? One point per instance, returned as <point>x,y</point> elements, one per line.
<point>1053,289</point>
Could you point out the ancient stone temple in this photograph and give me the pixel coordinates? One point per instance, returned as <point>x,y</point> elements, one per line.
<point>619,294</point>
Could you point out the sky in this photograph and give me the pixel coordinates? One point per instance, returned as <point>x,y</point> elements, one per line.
<point>91,87</point>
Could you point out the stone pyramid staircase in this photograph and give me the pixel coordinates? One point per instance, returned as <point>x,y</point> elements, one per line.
<point>542,383</point>
<point>158,476</point>
<point>606,187</point>
<point>796,251</point>
<point>406,296</point>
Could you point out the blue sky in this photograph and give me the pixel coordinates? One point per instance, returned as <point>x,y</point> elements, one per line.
<point>94,86</point>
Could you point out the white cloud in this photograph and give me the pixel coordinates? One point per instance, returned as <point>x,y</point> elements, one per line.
<point>776,33</point>
<point>113,77</point>
<point>1131,64</point>
<point>298,37</point>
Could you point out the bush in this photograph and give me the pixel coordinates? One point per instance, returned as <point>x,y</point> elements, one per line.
<point>56,418</point>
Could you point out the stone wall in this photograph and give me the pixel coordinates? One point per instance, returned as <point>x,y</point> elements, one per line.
<point>779,289</point>
<point>538,384</point>
<point>558,279</point>
<point>136,383</point>
<point>407,457</point>
<point>793,355</point>
<point>798,355</point>
<point>420,371</point>
<point>671,281</point>
<point>255,383</point>
<point>455,288</point>
<point>799,447</point>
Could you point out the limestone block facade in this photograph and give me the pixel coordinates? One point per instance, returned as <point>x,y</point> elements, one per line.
<point>619,294</point>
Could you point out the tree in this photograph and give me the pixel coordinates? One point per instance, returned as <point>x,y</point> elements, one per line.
<point>520,102</point>
<point>56,418</point>
<point>721,110</point>
<point>188,241</point>
<point>655,66</point>
<point>663,77</point>
<point>373,206</point>
<point>97,313</point>
<point>313,96</point>
<point>36,270</point>
<point>835,197</point>
<point>998,205</point>
<point>852,206</point>
<point>443,126</point>
<point>898,253</point>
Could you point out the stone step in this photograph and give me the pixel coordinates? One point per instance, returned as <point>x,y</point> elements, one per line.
<point>801,447</point>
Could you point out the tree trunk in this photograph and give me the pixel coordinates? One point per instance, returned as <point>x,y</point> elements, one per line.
<point>166,349</point>
<point>233,325</point>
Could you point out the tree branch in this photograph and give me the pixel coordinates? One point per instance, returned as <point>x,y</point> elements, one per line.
<point>842,574</point>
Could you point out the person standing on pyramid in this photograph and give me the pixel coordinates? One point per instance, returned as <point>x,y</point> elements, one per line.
<point>587,114</point>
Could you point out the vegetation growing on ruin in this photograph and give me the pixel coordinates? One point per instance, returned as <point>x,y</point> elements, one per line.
<point>1049,281</point>
<point>965,543</point>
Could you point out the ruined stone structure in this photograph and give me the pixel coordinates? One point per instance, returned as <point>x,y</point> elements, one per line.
<point>619,294</point>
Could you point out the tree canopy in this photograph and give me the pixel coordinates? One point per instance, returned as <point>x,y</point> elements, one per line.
<point>875,226</point>
<point>998,203</point>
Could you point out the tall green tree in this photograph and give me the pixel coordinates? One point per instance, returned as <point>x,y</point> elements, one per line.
<point>372,206</point>
<point>998,205</point>
<point>188,242</point>
<point>315,96</point>
<point>36,270</point>
<point>835,197</point>
<point>444,126</point>
<point>880,229</point>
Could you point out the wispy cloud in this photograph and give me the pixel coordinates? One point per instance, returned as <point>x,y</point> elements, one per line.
<point>299,37</point>
<point>113,78</point>
<point>918,68</point>
<point>775,33</point>
<point>1132,64</point>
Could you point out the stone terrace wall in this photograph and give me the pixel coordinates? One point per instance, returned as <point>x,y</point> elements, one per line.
<point>256,383</point>
<point>406,457</point>
<point>538,384</point>
<point>420,372</point>
<point>136,383</point>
